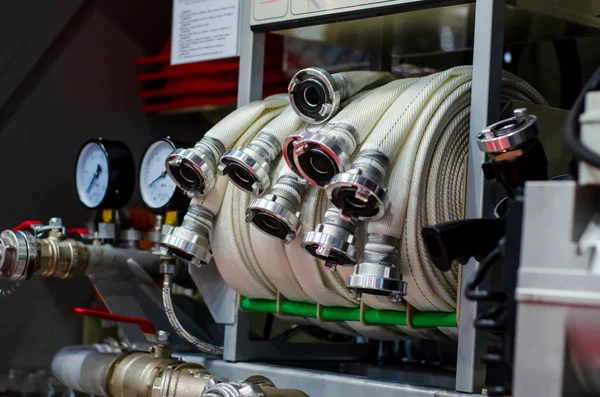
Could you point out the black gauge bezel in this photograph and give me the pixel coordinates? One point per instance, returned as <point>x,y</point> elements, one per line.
<point>121,173</point>
<point>179,200</point>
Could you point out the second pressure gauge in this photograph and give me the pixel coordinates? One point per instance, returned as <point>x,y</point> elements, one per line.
<point>156,186</point>
<point>104,174</point>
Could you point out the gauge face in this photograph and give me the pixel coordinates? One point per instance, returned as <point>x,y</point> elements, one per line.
<point>91,174</point>
<point>156,187</point>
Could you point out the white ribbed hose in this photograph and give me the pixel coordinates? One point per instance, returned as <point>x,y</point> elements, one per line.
<point>232,126</point>
<point>360,80</point>
<point>363,113</point>
<point>391,131</point>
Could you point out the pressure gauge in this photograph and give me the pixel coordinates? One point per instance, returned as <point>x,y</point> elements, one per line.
<point>157,188</point>
<point>105,174</point>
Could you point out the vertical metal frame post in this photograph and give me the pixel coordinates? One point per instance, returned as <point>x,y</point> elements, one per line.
<point>485,109</point>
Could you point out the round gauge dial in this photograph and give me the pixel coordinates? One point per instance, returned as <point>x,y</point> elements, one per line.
<point>157,188</point>
<point>92,174</point>
<point>104,174</point>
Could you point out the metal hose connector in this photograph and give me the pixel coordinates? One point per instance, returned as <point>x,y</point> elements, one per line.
<point>315,94</point>
<point>255,386</point>
<point>277,214</point>
<point>194,170</point>
<point>333,240</point>
<point>319,155</point>
<point>167,268</point>
<point>191,240</point>
<point>249,168</point>
<point>377,274</point>
<point>361,192</point>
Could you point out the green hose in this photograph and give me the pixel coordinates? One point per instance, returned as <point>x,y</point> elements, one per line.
<point>371,316</point>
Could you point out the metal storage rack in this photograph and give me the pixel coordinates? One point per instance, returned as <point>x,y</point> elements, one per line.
<point>485,106</point>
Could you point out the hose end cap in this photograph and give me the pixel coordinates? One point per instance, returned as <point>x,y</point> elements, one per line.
<point>246,169</point>
<point>314,95</point>
<point>377,279</point>
<point>191,172</point>
<point>272,216</point>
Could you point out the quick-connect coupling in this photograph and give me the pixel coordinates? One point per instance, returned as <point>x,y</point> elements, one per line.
<point>333,240</point>
<point>18,252</point>
<point>277,214</point>
<point>190,241</point>
<point>221,387</point>
<point>254,386</point>
<point>315,94</point>
<point>319,155</point>
<point>249,168</point>
<point>361,192</point>
<point>194,170</point>
<point>377,274</point>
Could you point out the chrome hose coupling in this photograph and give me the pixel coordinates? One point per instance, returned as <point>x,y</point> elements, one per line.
<point>377,275</point>
<point>361,192</point>
<point>222,387</point>
<point>333,240</point>
<point>278,213</point>
<point>18,253</point>
<point>318,156</point>
<point>190,241</point>
<point>194,170</point>
<point>508,134</point>
<point>315,94</point>
<point>248,168</point>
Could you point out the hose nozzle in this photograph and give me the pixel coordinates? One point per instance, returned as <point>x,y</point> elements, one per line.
<point>360,192</point>
<point>277,214</point>
<point>194,170</point>
<point>315,94</point>
<point>248,168</point>
<point>190,241</point>
<point>377,275</point>
<point>333,240</point>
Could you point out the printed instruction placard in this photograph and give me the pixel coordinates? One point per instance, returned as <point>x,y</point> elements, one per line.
<point>204,30</point>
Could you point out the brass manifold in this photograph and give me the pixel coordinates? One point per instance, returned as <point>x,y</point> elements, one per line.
<point>138,374</point>
<point>60,258</point>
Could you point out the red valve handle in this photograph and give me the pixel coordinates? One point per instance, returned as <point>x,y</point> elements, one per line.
<point>145,325</point>
<point>82,232</point>
<point>27,226</point>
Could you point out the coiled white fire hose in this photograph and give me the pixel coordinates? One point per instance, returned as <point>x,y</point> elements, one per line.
<point>428,147</point>
<point>211,203</point>
<point>338,139</point>
<point>194,169</point>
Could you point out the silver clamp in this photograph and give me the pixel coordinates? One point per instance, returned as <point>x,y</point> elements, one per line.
<point>508,134</point>
<point>246,169</point>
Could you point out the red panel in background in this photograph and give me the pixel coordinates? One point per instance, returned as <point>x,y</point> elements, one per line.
<point>200,85</point>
